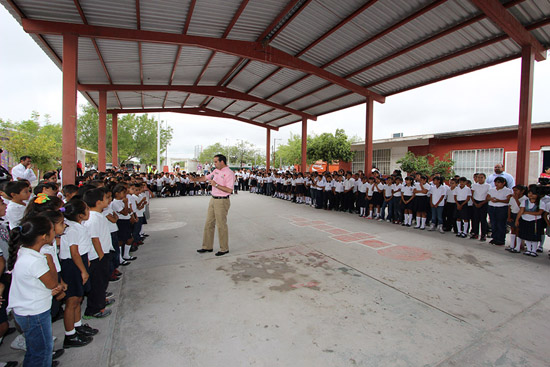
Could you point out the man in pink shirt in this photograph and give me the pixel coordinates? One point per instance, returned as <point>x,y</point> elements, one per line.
<point>222,180</point>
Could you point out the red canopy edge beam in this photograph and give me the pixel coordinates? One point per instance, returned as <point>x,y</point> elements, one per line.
<point>140,53</point>
<point>317,41</point>
<point>250,50</point>
<point>193,111</point>
<point>211,91</point>
<point>428,40</point>
<point>178,52</point>
<point>94,43</point>
<point>185,100</point>
<point>455,54</point>
<point>511,26</point>
<point>225,34</point>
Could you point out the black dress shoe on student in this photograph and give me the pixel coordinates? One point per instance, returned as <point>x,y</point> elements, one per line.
<point>86,330</point>
<point>76,340</point>
<point>221,253</point>
<point>57,353</point>
<point>203,250</point>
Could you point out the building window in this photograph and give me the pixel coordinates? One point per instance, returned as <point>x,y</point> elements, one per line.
<point>381,159</point>
<point>468,162</point>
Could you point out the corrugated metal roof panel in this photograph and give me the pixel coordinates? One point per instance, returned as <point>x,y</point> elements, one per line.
<point>531,11</point>
<point>108,13</point>
<point>270,116</point>
<point>252,74</point>
<point>56,43</point>
<point>53,10</point>
<point>220,65</point>
<point>153,99</point>
<point>219,104</point>
<point>305,86</point>
<point>211,17</point>
<point>238,107</point>
<point>90,70</point>
<point>255,18</point>
<point>343,101</point>
<point>194,100</point>
<point>130,99</point>
<point>285,120</point>
<point>255,111</point>
<point>112,102</point>
<point>321,95</point>
<point>278,81</point>
<point>164,15</point>
<point>157,62</point>
<point>175,99</point>
<point>121,59</point>
<point>190,64</point>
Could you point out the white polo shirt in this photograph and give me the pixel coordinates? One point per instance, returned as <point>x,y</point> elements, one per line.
<point>500,195</point>
<point>28,295</point>
<point>407,190</point>
<point>98,227</point>
<point>462,193</point>
<point>118,206</point>
<point>52,251</point>
<point>480,191</point>
<point>14,214</point>
<point>530,207</point>
<point>109,211</point>
<point>437,193</point>
<point>75,234</point>
<point>397,188</point>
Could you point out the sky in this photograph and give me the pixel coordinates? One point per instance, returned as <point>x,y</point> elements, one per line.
<point>30,81</point>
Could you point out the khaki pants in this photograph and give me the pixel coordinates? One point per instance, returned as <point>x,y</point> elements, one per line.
<point>216,216</point>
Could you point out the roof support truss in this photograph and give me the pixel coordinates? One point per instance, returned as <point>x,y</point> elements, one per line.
<point>193,111</point>
<point>209,91</point>
<point>250,50</point>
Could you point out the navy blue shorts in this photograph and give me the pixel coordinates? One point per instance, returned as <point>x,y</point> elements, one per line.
<point>72,276</point>
<point>124,230</point>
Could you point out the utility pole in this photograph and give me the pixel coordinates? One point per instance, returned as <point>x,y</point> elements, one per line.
<point>158,144</point>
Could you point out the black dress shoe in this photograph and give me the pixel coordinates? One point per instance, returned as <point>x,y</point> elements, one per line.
<point>221,253</point>
<point>203,250</point>
<point>86,330</point>
<point>58,353</point>
<point>76,340</point>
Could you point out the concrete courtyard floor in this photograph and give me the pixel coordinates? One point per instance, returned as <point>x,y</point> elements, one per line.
<point>306,287</point>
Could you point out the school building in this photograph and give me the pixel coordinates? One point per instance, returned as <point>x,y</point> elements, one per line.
<point>472,150</point>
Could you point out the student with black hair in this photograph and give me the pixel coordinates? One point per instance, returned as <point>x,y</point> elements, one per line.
<point>420,195</point>
<point>18,192</point>
<point>122,209</point>
<point>99,256</point>
<point>32,287</point>
<point>530,221</point>
<point>406,200</point>
<point>69,191</point>
<point>518,196</point>
<point>42,203</point>
<point>438,192</point>
<point>462,195</point>
<point>76,243</point>
<point>498,198</point>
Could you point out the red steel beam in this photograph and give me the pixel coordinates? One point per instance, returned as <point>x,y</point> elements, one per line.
<point>268,149</point>
<point>250,50</point>
<point>70,80</point>
<point>369,122</point>
<point>525,112</point>
<point>138,23</point>
<point>304,146</point>
<point>114,145</point>
<point>209,91</point>
<point>193,111</point>
<point>511,26</point>
<point>102,133</point>
<point>185,100</point>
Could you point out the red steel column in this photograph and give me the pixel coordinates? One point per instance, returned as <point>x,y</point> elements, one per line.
<point>70,70</point>
<point>304,145</point>
<point>268,150</point>
<point>368,136</point>
<point>102,133</point>
<point>525,109</point>
<point>114,154</point>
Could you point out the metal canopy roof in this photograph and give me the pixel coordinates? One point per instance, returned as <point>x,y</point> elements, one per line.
<point>273,62</point>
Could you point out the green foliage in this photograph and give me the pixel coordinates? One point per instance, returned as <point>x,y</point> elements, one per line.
<point>29,137</point>
<point>290,153</point>
<point>137,135</point>
<point>328,147</point>
<point>208,153</point>
<point>242,154</point>
<point>421,164</point>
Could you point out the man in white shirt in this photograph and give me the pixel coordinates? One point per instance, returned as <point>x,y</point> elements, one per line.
<point>23,171</point>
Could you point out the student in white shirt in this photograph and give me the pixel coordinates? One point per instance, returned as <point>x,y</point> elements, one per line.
<point>75,245</point>
<point>420,195</point>
<point>362,197</point>
<point>462,195</point>
<point>406,200</point>
<point>395,206</point>
<point>449,211</point>
<point>100,254</point>
<point>530,221</point>
<point>388,195</point>
<point>123,210</point>
<point>480,207</point>
<point>349,183</point>
<point>499,197</point>
<point>438,192</point>
<point>514,205</point>
<point>19,193</point>
<point>33,284</point>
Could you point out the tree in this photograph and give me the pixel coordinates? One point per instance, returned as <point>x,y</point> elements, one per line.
<point>208,153</point>
<point>137,135</point>
<point>242,153</point>
<point>421,164</point>
<point>29,137</point>
<point>328,147</point>
<point>289,153</point>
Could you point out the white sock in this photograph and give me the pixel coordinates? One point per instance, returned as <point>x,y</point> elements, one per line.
<point>517,244</point>
<point>465,227</point>
<point>370,213</point>
<point>512,240</point>
<point>376,212</point>
<point>126,251</point>
<point>70,332</point>
<point>541,243</point>
<point>459,226</point>
<point>418,221</point>
<point>78,323</point>
<point>121,259</point>
<point>423,220</point>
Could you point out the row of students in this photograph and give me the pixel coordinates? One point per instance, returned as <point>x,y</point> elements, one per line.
<point>78,241</point>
